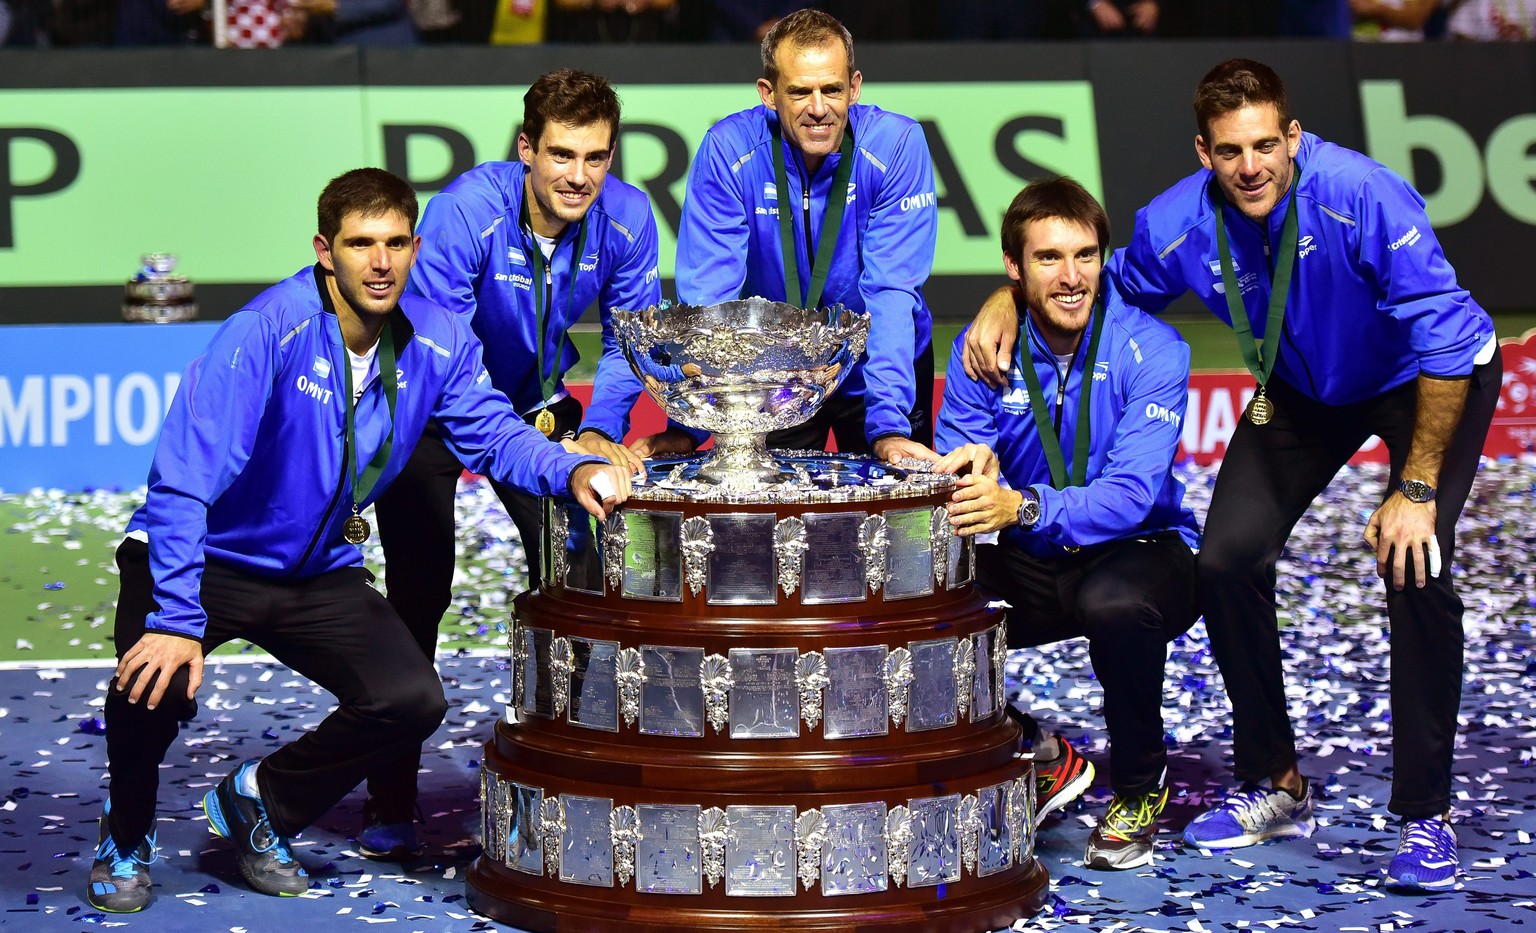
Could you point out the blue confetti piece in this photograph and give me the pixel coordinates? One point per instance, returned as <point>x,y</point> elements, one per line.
<point>32,899</point>
<point>268,734</point>
<point>208,889</point>
<point>53,586</point>
<point>93,726</point>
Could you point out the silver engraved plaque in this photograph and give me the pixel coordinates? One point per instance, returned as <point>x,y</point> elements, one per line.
<point>653,555</point>
<point>834,562</point>
<point>931,699</point>
<point>985,675</point>
<point>524,849</point>
<point>672,697</point>
<point>962,561</point>
<point>538,697</point>
<point>909,553</point>
<point>935,853</point>
<point>668,859</point>
<point>586,848</point>
<point>853,851</point>
<point>741,566</point>
<point>765,699</point>
<point>855,698</point>
<point>996,836</point>
<point>583,557</point>
<point>594,685</point>
<point>760,852</point>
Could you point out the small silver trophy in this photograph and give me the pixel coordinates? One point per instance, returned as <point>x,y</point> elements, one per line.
<point>158,294</point>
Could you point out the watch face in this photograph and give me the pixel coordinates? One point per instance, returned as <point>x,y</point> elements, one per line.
<point>1416,490</point>
<point>1029,512</point>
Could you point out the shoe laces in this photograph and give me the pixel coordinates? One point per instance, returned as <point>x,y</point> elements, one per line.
<point>1129,817</point>
<point>1431,836</point>
<point>125,866</point>
<point>1255,806</point>
<point>264,840</point>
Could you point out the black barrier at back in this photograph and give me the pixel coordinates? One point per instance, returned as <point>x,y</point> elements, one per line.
<point>105,155</point>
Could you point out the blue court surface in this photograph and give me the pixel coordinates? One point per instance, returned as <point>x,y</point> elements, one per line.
<point>1334,640</point>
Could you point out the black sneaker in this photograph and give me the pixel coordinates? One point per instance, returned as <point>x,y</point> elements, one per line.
<point>1124,837</point>
<point>266,859</point>
<point>120,881</point>
<point>1060,780</point>
<point>387,842</point>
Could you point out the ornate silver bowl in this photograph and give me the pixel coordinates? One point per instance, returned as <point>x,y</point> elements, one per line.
<point>740,369</point>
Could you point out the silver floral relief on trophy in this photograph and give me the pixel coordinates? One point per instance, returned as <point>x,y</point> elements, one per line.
<point>624,827</point>
<point>615,537</point>
<point>810,833</point>
<point>965,670</point>
<point>560,664</point>
<point>715,677</point>
<point>725,347</point>
<point>940,534</point>
<point>629,670</point>
<point>1021,809</point>
<point>551,830</point>
<point>559,538</point>
<point>491,834</point>
<point>875,542</point>
<point>898,682</point>
<point>698,543</point>
<point>970,831</point>
<point>999,662</point>
<point>898,843</point>
<point>714,832</point>
<point>789,548</point>
<point>811,677</point>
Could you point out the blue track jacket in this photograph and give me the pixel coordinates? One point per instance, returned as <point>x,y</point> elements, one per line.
<point>477,259</point>
<point>1139,394</point>
<point>251,464</point>
<point>1373,302</point>
<point>729,243</point>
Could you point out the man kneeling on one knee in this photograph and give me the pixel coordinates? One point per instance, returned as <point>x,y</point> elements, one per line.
<point>1070,464</point>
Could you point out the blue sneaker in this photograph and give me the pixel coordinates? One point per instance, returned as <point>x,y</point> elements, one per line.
<point>266,859</point>
<point>387,842</point>
<point>120,881</point>
<point>1252,815</point>
<point>1426,856</point>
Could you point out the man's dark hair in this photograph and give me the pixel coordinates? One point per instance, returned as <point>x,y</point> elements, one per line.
<point>575,98</point>
<point>1052,197</point>
<point>371,192</point>
<point>1237,83</point>
<point>804,29</point>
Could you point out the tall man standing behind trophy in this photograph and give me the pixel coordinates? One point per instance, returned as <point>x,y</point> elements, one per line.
<point>1352,323</point>
<point>1095,536</point>
<point>521,249</point>
<point>812,198</point>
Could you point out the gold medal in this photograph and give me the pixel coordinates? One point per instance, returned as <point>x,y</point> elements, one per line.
<point>1260,408</point>
<point>356,529</point>
<point>545,422</point>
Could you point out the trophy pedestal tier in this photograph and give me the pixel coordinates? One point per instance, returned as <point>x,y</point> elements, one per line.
<point>751,715</point>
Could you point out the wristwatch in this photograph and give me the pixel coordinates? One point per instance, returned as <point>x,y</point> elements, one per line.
<point>1029,509</point>
<point>1416,490</point>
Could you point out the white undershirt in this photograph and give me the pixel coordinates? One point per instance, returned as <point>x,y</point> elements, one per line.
<point>362,369</point>
<point>546,246</point>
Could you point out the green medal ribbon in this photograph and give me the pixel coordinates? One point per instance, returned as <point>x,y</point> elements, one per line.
<point>1260,359</point>
<point>541,316</point>
<point>831,221</point>
<point>1049,442</point>
<point>364,484</point>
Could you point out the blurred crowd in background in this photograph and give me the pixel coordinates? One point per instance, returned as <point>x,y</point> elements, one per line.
<point>272,23</point>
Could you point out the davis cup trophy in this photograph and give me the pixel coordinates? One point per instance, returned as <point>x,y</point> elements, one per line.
<point>762,694</point>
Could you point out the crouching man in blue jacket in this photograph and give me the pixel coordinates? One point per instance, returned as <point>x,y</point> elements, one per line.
<point>1095,539</point>
<point>305,406</point>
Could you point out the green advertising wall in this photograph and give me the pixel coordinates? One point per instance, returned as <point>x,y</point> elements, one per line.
<point>217,157</point>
